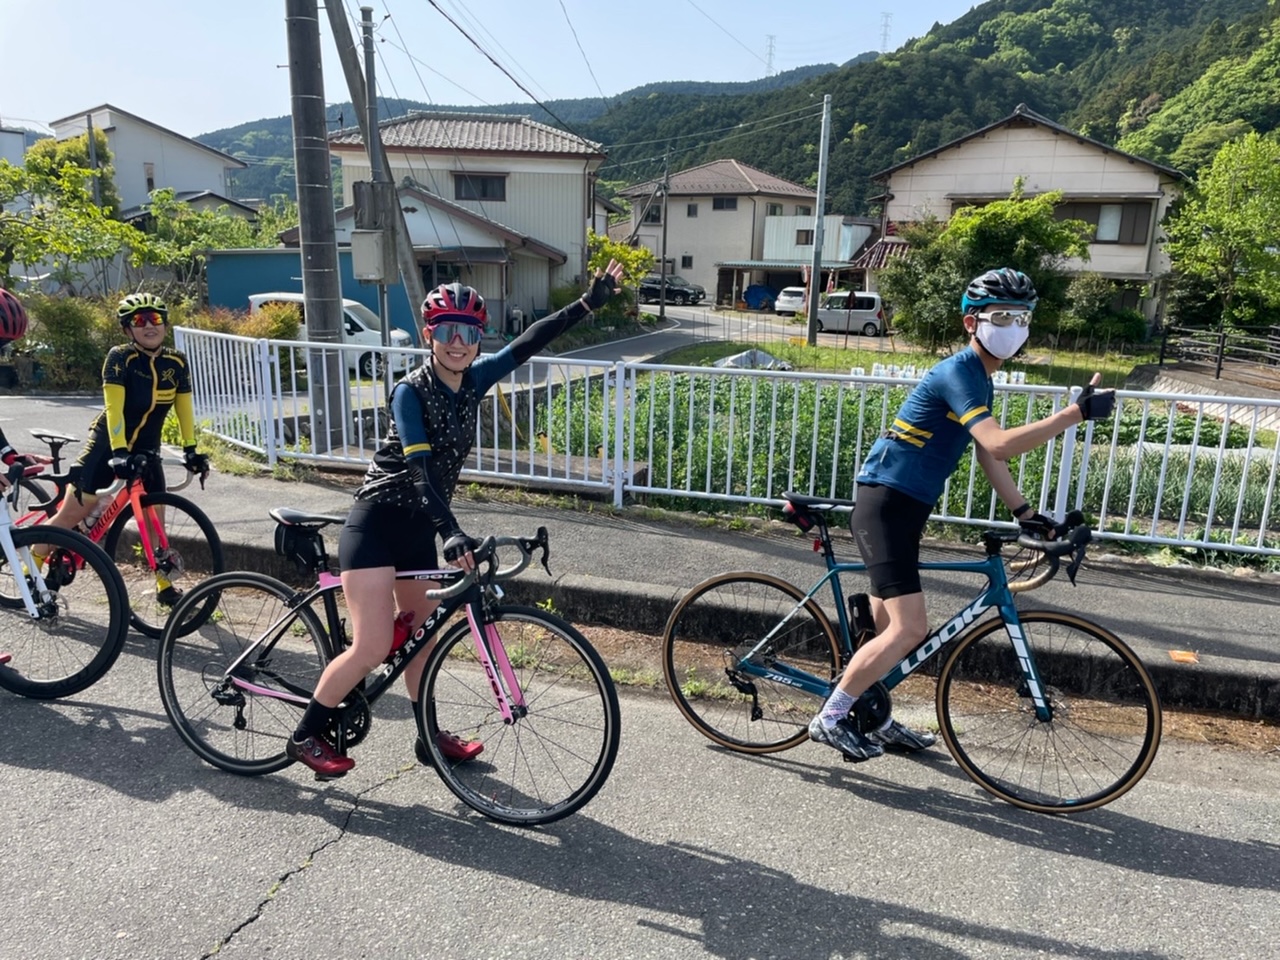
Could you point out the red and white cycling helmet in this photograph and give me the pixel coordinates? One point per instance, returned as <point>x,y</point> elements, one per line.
<point>454,303</point>
<point>13,317</point>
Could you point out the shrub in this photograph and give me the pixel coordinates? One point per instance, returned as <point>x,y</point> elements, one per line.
<point>69,337</point>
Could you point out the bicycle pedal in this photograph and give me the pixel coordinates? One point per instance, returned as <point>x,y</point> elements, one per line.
<point>848,759</point>
<point>322,778</point>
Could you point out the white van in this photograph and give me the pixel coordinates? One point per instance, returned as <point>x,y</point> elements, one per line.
<point>851,311</point>
<point>360,325</point>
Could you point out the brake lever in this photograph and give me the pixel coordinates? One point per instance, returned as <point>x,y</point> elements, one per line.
<point>540,541</point>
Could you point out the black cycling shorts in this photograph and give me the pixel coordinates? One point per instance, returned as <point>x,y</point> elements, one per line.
<point>888,526</point>
<point>92,469</point>
<point>384,535</point>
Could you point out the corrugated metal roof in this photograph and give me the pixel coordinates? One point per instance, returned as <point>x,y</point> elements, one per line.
<point>471,132</point>
<point>723,177</point>
<point>880,253</point>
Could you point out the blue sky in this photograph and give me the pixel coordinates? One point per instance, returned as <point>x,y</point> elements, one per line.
<point>195,66</point>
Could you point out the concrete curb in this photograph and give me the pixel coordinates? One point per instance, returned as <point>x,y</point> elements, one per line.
<point>1240,687</point>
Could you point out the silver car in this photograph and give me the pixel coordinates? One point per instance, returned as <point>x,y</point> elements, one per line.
<point>851,311</point>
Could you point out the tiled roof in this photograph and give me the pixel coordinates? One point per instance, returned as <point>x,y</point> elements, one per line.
<point>724,177</point>
<point>471,132</point>
<point>880,252</point>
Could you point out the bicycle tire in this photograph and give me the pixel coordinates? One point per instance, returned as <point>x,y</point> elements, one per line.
<point>31,491</point>
<point>80,639</point>
<point>719,621</point>
<point>196,549</point>
<point>243,734</point>
<point>550,761</point>
<point>1106,722</point>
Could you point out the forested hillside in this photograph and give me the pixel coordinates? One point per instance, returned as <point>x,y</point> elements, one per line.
<point>1166,79</point>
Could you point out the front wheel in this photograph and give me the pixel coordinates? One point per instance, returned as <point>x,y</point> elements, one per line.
<point>757,621</point>
<point>194,552</point>
<point>240,721</point>
<point>82,618</point>
<point>558,750</point>
<point>869,329</point>
<point>1105,725</point>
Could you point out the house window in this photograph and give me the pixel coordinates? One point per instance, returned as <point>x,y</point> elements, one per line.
<point>803,211</point>
<point>476,186</point>
<point>686,262</point>
<point>773,209</point>
<point>149,171</point>
<point>653,214</point>
<point>691,210</point>
<point>1112,222</point>
<point>724,203</point>
<point>804,238</point>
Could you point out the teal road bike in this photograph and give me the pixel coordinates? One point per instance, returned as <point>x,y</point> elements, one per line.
<point>1043,709</point>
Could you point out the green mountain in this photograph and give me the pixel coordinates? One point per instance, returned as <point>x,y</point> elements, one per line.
<point>1166,79</point>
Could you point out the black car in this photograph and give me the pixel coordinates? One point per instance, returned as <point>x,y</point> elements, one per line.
<point>679,290</point>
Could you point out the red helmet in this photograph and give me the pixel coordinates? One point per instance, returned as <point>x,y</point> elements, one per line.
<point>454,303</point>
<point>13,317</point>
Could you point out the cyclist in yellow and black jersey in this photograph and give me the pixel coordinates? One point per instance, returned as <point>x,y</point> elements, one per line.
<point>141,381</point>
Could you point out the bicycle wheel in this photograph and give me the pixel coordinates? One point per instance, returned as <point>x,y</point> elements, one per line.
<point>240,728</point>
<point>724,619</point>
<point>82,623</point>
<point>1105,727</point>
<point>558,752</point>
<point>195,552</point>
<point>31,492</point>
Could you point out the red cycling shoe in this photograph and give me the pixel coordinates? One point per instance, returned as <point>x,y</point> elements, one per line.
<point>454,748</point>
<point>5,658</point>
<point>320,756</point>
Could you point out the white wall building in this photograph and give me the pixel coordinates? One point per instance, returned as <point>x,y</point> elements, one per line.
<point>147,156</point>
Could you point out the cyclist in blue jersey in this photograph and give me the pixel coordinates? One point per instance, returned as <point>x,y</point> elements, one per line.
<point>903,477</point>
<point>403,502</point>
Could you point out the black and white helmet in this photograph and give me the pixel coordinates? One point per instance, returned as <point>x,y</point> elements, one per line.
<point>1005,285</point>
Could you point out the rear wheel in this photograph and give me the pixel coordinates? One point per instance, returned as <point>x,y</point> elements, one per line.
<point>869,329</point>
<point>1105,724</point>
<point>557,752</point>
<point>721,621</point>
<point>31,492</point>
<point>82,621</point>
<point>194,552</point>
<point>240,721</point>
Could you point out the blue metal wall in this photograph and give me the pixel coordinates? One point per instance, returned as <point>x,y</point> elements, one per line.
<point>233,275</point>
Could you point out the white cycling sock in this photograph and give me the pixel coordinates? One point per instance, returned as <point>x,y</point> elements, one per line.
<point>838,705</point>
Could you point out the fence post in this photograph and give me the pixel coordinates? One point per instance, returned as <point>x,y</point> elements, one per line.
<point>619,374</point>
<point>1066,464</point>
<point>265,394</point>
<point>1222,346</point>
<point>1164,345</point>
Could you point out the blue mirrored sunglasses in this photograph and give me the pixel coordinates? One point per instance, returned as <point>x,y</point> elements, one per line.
<point>444,333</point>
<point>1004,318</point>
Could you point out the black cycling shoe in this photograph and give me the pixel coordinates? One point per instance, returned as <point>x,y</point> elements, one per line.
<point>169,596</point>
<point>900,738</point>
<point>845,738</point>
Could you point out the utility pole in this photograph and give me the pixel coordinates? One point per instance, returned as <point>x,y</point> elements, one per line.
<point>321,285</point>
<point>815,275</point>
<point>662,267</point>
<point>374,145</point>
<point>410,274</point>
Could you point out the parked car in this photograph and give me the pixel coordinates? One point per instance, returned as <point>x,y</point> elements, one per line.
<point>679,290</point>
<point>360,325</point>
<point>851,311</point>
<point>789,302</point>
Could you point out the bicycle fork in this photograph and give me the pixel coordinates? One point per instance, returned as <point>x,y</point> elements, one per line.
<point>497,667</point>
<point>151,532</point>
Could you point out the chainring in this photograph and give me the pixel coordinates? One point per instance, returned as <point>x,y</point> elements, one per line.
<point>351,725</point>
<point>872,709</point>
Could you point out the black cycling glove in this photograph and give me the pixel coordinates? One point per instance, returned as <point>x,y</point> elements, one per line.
<point>458,545</point>
<point>1038,525</point>
<point>123,466</point>
<point>602,288</point>
<point>1095,404</point>
<point>195,462</point>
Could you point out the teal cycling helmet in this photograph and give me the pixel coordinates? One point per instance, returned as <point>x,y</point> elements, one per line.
<point>1004,285</point>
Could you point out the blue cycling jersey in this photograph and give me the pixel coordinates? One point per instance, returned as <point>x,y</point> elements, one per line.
<point>928,436</point>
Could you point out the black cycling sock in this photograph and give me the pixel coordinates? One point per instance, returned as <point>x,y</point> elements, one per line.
<point>315,720</point>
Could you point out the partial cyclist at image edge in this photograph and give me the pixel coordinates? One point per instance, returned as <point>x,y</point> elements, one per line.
<point>404,501</point>
<point>141,381</point>
<point>903,477</point>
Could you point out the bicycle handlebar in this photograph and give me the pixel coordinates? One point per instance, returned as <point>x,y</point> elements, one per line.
<point>487,568</point>
<point>1071,538</point>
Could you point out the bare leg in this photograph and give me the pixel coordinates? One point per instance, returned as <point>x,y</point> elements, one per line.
<point>370,595</point>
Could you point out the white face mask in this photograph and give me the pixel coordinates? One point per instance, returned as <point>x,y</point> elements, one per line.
<point>1002,342</point>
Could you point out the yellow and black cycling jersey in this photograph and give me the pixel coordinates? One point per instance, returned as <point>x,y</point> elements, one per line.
<point>138,389</point>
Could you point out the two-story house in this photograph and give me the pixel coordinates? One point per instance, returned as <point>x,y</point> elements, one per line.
<point>716,215</point>
<point>500,202</point>
<point>147,156</point>
<point>1123,197</point>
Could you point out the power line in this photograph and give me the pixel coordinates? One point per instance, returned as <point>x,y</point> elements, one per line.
<point>723,30</point>
<point>479,28</point>
<point>807,109</point>
<point>584,54</point>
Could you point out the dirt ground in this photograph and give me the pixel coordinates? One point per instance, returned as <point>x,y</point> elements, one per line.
<point>632,659</point>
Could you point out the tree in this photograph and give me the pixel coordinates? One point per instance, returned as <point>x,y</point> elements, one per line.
<point>636,261</point>
<point>1224,230</point>
<point>180,234</point>
<point>45,157</point>
<point>924,287</point>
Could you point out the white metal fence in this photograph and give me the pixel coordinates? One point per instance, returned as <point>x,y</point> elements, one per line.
<point>1177,469</point>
